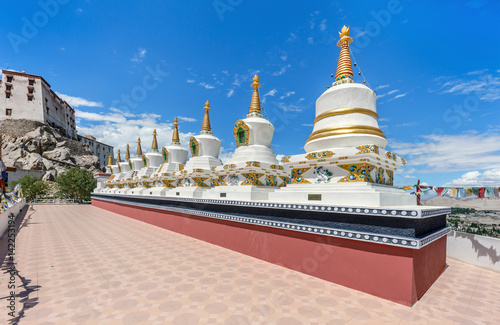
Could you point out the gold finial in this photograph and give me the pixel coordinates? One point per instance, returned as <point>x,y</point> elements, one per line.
<point>110,160</point>
<point>154,145</point>
<point>255,103</point>
<point>118,158</point>
<point>175,135</point>
<point>344,66</point>
<point>205,127</point>
<point>139,149</point>
<point>127,154</point>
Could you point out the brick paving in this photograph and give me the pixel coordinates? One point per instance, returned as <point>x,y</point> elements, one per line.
<point>83,265</point>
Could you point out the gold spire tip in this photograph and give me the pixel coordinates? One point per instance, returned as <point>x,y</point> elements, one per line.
<point>139,149</point>
<point>175,134</point>
<point>255,103</point>
<point>127,153</point>
<point>344,66</point>
<point>206,127</point>
<point>154,145</point>
<point>110,160</point>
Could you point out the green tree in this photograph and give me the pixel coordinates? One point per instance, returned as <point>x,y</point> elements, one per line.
<point>33,187</point>
<point>76,183</point>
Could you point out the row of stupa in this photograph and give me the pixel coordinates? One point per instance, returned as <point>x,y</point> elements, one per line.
<point>345,160</point>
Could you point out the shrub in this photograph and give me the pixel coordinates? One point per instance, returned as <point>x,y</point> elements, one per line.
<point>76,183</point>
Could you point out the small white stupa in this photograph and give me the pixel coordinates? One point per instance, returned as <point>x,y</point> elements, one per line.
<point>253,170</point>
<point>152,161</point>
<point>198,174</point>
<point>174,160</point>
<point>345,161</point>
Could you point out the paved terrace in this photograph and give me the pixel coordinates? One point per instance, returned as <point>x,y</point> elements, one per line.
<point>81,264</point>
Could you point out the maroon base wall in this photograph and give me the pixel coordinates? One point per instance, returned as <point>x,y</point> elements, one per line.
<point>398,274</point>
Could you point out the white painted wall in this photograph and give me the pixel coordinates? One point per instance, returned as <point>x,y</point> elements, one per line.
<point>474,249</point>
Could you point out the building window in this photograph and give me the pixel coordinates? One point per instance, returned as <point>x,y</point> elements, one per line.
<point>7,94</point>
<point>30,97</point>
<point>8,111</point>
<point>31,82</point>
<point>30,90</point>
<point>9,78</point>
<point>8,87</point>
<point>47,109</point>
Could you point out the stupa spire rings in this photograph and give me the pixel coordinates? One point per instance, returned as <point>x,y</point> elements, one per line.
<point>344,67</point>
<point>110,160</point>
<point>205,127</point>
<point>154,145</point>
<point>255,109</point>
<point>139,149</point>
<point>175,134</point>
<point>118,158</point>
<point>127,153</point>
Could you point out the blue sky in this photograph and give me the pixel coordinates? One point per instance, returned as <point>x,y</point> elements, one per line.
<point>128,67</point>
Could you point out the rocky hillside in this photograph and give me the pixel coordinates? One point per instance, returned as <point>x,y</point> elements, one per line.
<point>32,145</point>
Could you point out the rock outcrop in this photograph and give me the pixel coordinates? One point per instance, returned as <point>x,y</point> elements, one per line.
<point>32,145</point>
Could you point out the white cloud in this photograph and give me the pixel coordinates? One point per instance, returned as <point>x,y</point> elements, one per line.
<point>381,87</point>
<point>271,92</point>
<point>230,93</point>
<point>207,86</point>
<point>490,177</point>
<point>407,124</point>
<point>322,26</point>
<point>307,124</point>
<point>288,94</point>
<point>139,56</point>
<point>186,119</point>
<point>451,153</point>
<point>310,40</point>
<point>190,81</point>
<point>485,86</point>
<point>291,38</point>
<point>78,101</point>
<point>399,96</point>
<point>388,93</point>
<point>290,107</point>
<point>284,57</point>
<point>118,131</point>
<point>282,71</point>
<point>392,91</point>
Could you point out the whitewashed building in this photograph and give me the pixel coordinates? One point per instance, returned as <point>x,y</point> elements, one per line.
<point>28,96</point>
<point>99,149</point>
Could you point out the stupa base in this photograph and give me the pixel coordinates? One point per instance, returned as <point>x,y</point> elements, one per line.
<point>358,194</point>
<point>246,193</point>
<point>396,256</point>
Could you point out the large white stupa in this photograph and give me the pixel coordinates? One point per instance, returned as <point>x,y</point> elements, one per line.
<point>345,161</point>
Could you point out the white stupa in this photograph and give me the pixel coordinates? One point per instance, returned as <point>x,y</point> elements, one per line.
<point>345,161</point>
<point>198,174</point>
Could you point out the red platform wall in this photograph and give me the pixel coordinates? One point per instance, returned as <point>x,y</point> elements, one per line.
<point>398,274</point>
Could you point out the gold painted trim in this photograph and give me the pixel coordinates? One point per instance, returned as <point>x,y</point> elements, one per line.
<point>351,129</point>
<point>341,111</point>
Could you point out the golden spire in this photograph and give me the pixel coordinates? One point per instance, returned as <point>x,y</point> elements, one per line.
<point>205,127</point>
<point>127,154</point>
<point>255,103</point>
<point>344,66</point>
<point>139,149</point>
<point>110,160</point>
<point>154,145</point>
<point>175,135</point>
<point>118,159</point>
